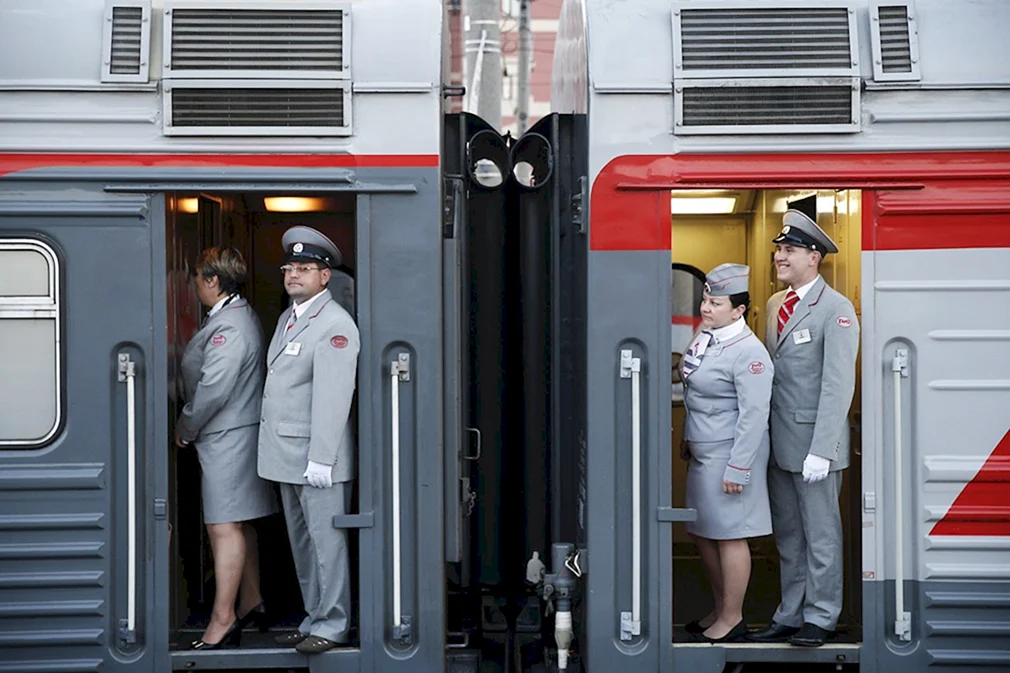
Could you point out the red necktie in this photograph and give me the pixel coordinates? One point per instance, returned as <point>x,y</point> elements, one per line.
<point>786,309</point>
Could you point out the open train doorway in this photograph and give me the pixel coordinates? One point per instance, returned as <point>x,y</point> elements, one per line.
<point>253,223</point>
<point>713,227</point>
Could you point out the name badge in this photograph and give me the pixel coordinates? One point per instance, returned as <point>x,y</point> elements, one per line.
<point>292,348</point>
<point>801,336</point>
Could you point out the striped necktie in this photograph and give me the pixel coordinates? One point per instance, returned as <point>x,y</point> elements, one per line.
<point>693,356</point>
<point>291,323</point>
<point>786,309</point>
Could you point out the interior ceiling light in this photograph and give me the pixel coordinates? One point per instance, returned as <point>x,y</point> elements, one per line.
<point>190,205</point>
<point>825,204</point>
<point>293,204</point>
<point>711,205</point>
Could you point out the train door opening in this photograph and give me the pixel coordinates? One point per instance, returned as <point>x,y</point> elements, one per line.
<point>254,224</point>
<point>711,227</point>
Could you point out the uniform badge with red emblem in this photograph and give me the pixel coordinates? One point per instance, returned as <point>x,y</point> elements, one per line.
<point>757,367</point>
<point>843,321</point>
<point>217,340</point>
<point>339,342</point>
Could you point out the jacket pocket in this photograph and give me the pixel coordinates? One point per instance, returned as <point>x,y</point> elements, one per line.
<point>806,415</point>
<point>293,429</point>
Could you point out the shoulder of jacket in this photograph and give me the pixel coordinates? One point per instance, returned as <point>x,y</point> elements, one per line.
<point>751,347</point>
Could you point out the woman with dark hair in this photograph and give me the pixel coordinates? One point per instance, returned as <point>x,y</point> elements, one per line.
<point>223,372</point>
<point>727,376</point>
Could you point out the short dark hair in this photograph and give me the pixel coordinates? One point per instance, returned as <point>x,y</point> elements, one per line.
<point>226,264</point>
<point>741,299</point>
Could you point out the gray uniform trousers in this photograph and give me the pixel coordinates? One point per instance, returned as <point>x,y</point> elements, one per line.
<point>320,555</point>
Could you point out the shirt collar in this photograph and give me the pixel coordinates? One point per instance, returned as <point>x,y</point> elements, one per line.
<point>220,304</point>
<point>803,289</point>
<point>300,309</point>
<point>731,330</point>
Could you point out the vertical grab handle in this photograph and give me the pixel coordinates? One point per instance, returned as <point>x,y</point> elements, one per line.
<point>399,371</point>
<point>128,374</point>
<point>902,619</point>
<point>631,622</point>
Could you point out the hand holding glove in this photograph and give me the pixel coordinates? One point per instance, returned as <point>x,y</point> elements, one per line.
<point>319,475</point>
<point>815,468</point>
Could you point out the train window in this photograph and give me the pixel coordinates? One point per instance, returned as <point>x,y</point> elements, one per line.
<point>30,407</point>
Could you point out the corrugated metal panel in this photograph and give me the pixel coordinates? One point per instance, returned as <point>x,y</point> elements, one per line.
<point>127,30</point>
<point>895,43</point>
<point>766,106</point>
<point>260,39</point>
<point>751,39</point>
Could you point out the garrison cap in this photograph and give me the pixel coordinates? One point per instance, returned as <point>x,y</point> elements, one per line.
<point>727,279</point>
<point>303,243</point>
<point>800,230</point>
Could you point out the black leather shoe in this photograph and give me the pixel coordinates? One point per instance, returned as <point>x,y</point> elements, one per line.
<point>257,616</point>
<point>232,637</point>
<point>810,635</point>
<point>694,627</point>
<point>735,635</point>
<point>774,633</point>
<point>290,639</point>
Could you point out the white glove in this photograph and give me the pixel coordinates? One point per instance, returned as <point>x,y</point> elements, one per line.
<point>815,468</point>
<point>319,475</point>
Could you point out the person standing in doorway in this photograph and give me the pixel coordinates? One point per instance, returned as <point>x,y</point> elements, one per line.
<point>727,378</point>
<point>813,337</point>
<point>306,441</point>
<point>222,373</point>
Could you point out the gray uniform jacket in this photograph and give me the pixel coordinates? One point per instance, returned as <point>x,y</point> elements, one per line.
<point>815,377</point>
<point>727,398</point>
<point>307,398</point>
<point>222,371</point>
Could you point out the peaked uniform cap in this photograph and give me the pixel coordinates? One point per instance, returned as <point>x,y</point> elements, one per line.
<point>727,279</point>
<point>305,243</point>
<point>800,230</point>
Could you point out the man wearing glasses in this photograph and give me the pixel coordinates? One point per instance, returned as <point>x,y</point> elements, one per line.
<point>305,441</point>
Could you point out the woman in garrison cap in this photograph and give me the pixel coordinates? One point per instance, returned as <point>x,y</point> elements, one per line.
<point>727,375</point>
<point>223,371</point>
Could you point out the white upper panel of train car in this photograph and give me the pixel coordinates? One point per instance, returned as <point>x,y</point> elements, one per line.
<point>703,76</point>
<point>221,76</point>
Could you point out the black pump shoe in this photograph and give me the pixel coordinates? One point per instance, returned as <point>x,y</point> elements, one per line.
<point>232,637</point>
<point>735,635</point>
<point>257,616</point>
<point>694,627</point>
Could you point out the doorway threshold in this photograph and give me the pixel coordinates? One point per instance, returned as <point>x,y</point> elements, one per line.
<point>829,653</point>
<point>260,656</point>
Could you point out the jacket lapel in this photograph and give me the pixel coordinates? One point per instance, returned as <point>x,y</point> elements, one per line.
<point>801,311</point>
<point>278,339</point>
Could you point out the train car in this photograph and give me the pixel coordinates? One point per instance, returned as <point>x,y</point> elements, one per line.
<point>888,123</point>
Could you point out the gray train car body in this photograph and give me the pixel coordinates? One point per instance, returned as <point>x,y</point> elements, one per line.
<point>133,133</point>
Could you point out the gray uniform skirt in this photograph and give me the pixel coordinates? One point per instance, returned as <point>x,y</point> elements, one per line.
<point>726,516</point>
<point>232,491</point>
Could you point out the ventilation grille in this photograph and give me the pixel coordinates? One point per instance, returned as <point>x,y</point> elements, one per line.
<point>895,42</point>
<point>763,106</point>
<point>127,31</point>
<point>262,40</point>
<point>274,108</point>
<point>751,39</point>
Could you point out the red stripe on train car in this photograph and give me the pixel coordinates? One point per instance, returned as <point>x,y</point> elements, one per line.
<point>912,201</point>
<point>983,506</point>
<point>10,163</point>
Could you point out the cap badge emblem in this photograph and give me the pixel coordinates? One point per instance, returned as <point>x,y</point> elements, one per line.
<point>785,230</point>
<point>298,247</point>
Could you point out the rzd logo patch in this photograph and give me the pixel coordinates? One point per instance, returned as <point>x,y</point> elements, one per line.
<point>217,340</point>
<point>843,321</point>
<point>339,342</point>
<point>757,367</point>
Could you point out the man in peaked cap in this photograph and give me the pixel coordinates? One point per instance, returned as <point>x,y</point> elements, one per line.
<point>306,442</point>
<point>813,337</point>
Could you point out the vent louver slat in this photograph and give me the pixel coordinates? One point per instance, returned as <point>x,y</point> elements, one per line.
<point>235,39</point>
<point>127,27</point>
<point>734,39</point>
<point>256,107</point>
<point>767,106</point>
<point>895,41</point>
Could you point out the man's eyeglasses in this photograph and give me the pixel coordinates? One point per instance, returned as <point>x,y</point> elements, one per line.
<point>298,268</point>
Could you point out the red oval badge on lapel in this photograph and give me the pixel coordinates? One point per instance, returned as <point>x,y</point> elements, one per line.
<point>339,342</point>
<point>843,321</point>
<point>217,340</point>
<point>756,367</point>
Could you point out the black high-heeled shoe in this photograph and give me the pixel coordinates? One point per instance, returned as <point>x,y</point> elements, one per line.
<point>232,637</point>
<point>257,616</point>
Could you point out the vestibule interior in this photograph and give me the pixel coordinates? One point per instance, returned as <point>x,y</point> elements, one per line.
<point>709,228</point>
<point>253,223</point>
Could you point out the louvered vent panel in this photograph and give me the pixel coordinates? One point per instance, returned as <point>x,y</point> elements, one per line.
<point>767,106</point>
<point>895,42</point>
<point>235,39</point>
<point>749,39</point>
<point>263,108</point>
<point>127,27</point>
